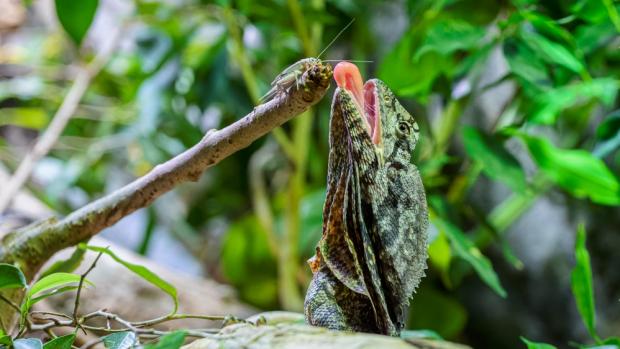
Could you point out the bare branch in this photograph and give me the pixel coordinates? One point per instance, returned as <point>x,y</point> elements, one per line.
<point>79,290</point>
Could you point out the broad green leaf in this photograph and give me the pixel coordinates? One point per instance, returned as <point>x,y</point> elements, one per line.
<point>141,271</point>
<point>592,11</point>
<point>525,64</point>
<point>406,334</point>
<point>446,37</point>
<point>27,343</point>
<point>610,127</point>
<point>608,135</point>
<point>465,248</point>
<point>590,38</point>
<point>552,52</point>
<point>496,161</point>
<point>53,281</point>
<point>35,118</point>
<point>551,103</point>
<point>11,277</point>
<point>576,171</point>
<point>55,291</point>
<point>172,340</point>
<point>612,340</point>
<point>76,17</point>
<point>67,265</point>
<point>48,286</point>
<point>5,340</point>
<point>63,342</point>
<point>581,283</point>
<point>406,77</point>
<point>535,345</point>
<point>119,340</point>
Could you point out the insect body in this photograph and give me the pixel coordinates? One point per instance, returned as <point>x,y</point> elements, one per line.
<point>289,77</point>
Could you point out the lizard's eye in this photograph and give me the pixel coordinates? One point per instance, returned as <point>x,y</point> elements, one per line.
<point>403,128</point>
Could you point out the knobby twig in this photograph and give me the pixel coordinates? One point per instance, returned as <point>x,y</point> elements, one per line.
<point>79,290</point>
<point>68,107</point>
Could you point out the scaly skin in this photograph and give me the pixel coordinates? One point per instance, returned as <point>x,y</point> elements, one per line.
<point>372,254</point>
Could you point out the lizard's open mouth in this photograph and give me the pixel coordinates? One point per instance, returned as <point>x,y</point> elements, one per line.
<point>348,78</point>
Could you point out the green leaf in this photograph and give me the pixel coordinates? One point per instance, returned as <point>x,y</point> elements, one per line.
<point>496,161</point>
<point>35,118</point>
<point>577,171</point>
<point>63,342</point>
<point>525,64</point>
<point>581,283</point>
<point>53,281</point>
<point>406,334</point>
<point>76,17</point>
<point>119,340</point>
<point>35,300</point>
<point>552,52</point>
<point>48,286</point>
<point>465,248</point>
<point>534,345</point>
<point>5,340</point>
<point>172,340</point>
<point>27,343</point>
<point>612,341</point>
<point>446,37</point>
<point>11,277</point>
<point>141,271</point>
<point>67,265</point>
<point>608,135</point>
<point>405,77</point>
<point>551,103</point>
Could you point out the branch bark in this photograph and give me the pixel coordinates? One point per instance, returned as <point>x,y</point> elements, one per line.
<point>31,246</point>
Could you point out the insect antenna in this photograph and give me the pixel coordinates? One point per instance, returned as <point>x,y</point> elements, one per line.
<point>336,37</point>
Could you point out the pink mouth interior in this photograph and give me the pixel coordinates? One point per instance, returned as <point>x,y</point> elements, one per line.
<point>348,77</point>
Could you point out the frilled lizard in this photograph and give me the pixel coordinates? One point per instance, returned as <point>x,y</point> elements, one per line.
<point>372,254</point>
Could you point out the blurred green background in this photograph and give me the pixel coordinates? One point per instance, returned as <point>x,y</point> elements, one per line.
<point>516,100</point>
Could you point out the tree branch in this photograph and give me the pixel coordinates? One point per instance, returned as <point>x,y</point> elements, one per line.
<point>31,246</point>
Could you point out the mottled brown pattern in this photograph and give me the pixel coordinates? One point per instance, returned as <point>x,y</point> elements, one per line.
<point>373,251</point>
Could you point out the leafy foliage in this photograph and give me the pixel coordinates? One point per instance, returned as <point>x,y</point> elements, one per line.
<point>120,340</point>
<point>62,342</point>
<point>76,17</point>
<point>11,277</point>
<point>141,271</point>
<point>581,281</point>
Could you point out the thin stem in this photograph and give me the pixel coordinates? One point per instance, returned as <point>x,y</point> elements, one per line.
<point>10,303</point>
<point>613,13</point>
<point>80,285</point>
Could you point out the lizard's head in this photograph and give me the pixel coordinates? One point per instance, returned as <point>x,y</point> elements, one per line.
<point>388,128</point>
